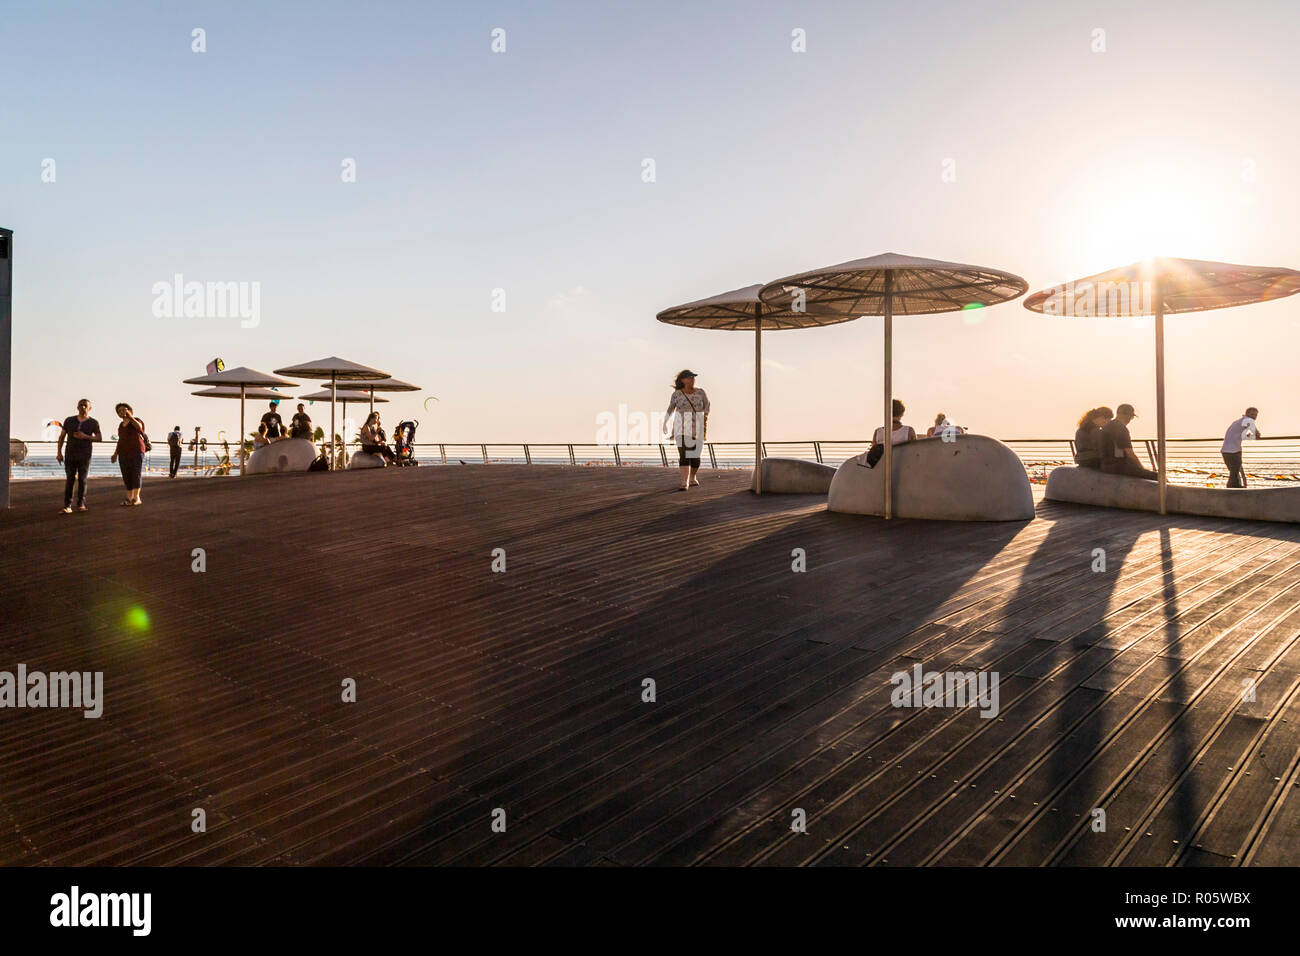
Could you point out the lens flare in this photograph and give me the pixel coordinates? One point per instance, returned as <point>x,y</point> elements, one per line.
<point>136,619</point>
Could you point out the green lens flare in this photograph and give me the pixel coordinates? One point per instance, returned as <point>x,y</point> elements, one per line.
<point>136,619</point>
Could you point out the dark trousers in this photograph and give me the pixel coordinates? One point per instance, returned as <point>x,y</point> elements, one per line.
<point>76,469</point>
<point>1236,473</point>
<point>1126,466</point>
<point>176,461</point>
<point>131,467</point>
<point>383,450</point>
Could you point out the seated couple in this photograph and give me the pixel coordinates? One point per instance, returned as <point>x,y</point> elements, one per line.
<point>1103,442</point>
<point>272,426</point>
<point>901,434</point>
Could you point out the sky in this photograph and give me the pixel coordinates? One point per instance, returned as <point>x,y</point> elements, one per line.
<point>500,244</point>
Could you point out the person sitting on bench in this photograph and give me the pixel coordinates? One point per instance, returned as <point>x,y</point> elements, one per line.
<point>900,434</point>
<point>1117,455</point>
<point>373,439</point>
<point>1087,440</point>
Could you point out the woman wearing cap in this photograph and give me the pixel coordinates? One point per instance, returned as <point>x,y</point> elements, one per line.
<point>129,454</point>
<point>688,418</point>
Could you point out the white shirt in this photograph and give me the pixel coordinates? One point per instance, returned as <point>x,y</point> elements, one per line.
<point>903,433</point>
<point>1243,427</point>
<point>687,414</point>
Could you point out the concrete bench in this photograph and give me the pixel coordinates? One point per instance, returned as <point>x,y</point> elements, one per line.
<point>287,454</point>
<point>1088,486</point>
<point>970,478</point>
<point>794,476</point>
<point>363,459</point>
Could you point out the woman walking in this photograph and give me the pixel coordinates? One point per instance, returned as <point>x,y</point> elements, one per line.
<point>688,418</point>
<point>129,453</point>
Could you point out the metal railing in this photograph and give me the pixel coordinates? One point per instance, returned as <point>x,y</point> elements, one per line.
<point>1191,460</point>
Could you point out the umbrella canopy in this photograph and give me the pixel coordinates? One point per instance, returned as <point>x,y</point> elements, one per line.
<point>741,310</point>
<point>241,379</point>
<point>227,391</point>
<point>340,395</point>
<point>1165,286</point>
<point>384,385</point>
<point>334,370</point>
<point>889,285</point>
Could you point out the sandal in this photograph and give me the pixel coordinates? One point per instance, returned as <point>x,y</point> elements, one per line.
<point>125,503</point>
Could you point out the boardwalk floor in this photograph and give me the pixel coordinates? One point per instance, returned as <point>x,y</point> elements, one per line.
<point>1163,690</point>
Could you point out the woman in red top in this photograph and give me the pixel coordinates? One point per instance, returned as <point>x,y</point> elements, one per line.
<point>129,453</point>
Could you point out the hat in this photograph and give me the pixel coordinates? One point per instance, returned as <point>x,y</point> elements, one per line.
<point>1126,409</point>
<point>687,374</point>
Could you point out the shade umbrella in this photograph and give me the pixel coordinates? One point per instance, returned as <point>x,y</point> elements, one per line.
<point>229,391</point>
<point>343,396</point>
<point>383,385</point>
<point>334,370</point>
<point>242,378</point>
<point>1160,287</point>
<point>889,285</point>
<point>741,310</point>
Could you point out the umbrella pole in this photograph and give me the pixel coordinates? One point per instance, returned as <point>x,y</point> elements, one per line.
<point>889,393</point>
<point>1160,391</point>
<point>758,400</point>
<point>242,394</point>
<point>334,435</point>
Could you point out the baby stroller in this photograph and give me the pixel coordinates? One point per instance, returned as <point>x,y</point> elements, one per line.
<point>404,443</point>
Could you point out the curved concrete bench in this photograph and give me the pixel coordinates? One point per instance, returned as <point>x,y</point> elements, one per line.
<point>971,478</point>
<point>362,459</point>
<point>1087,486</point>
<point>794,476</point>
<point>287,454</point>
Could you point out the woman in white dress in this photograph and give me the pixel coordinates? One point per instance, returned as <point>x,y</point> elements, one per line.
<point>688,419</point>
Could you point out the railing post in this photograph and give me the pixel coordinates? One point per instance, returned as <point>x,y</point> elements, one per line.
<point>617,460</point>
<point>713,459</point>
<point>442,452</point>
<point>572,460</point>
<point>1151,453</point>
<point>484,449</point>
<point>663,455</point>
<point>817,452</point>
<point>528,458</point>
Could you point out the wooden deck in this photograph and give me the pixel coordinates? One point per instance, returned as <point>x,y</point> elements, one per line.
<point>522,690</point>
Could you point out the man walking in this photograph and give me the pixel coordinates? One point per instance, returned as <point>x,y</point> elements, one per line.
<point>1243,428</point>
<point>81,432</point>
<point>174,448</point>
<point>1117,455</point>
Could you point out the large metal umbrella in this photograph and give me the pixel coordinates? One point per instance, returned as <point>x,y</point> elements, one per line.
<point>741,310</point>
<point>334,370</point>
<point>383,385</point>
<point>229,391</point>
<point>1161,287</point>
<point>343,396</point>
<point>889,285</point>
<point>242,378</point>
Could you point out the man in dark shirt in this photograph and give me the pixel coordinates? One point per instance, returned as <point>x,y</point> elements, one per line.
<point>300,424</point>
<point>274,424</point>
<point>174,447</point>
<point>1117,455</point>
<point>81,432</point>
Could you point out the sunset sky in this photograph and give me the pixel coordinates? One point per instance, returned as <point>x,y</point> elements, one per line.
<point>523,171</point>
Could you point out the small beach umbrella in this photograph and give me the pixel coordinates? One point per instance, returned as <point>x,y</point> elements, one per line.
<point>889,285</point>
<point>741,310</point>
<point>229,391</point>
<point>242,379</point>
<point>1161,287</point>
<point>334,370</point>
<point>343,396</point>
<point>383,385</point>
